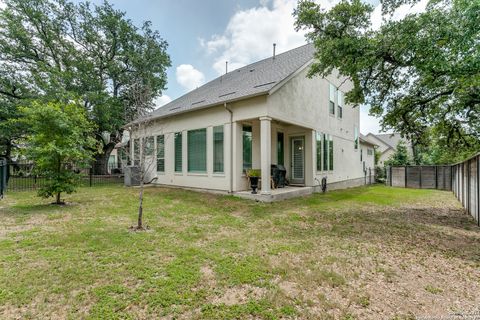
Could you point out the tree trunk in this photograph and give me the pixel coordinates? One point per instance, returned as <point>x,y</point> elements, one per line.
<point>58,199</point>
<point>140,206</point>
<point>101,160</point>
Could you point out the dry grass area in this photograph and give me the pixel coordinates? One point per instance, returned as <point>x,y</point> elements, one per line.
<point>363,253</point>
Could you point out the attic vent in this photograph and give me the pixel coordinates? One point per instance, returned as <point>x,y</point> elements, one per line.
<point>227,94</point>
<point>264,84</point>
<point>175,108</point>
<point>251,70</point>
<point>194,103</point>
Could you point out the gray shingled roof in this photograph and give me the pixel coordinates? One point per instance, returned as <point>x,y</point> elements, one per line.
<point>365,139</point>
<point>391,139</point>
<point>252,80</point>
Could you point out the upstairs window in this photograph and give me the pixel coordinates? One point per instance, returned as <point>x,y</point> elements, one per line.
<point>340,104</point>
<point>355,142</point>
<point>218,149</point>
<point>331,102</point>
<point>369,152</point>
<point>160,153</point>
<point>197,150</point>
<point>178,152</point>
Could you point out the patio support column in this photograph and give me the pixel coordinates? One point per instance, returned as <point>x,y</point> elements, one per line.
<point>265,152</point>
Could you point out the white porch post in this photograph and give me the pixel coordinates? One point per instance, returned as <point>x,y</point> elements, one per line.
<point>265,152</point>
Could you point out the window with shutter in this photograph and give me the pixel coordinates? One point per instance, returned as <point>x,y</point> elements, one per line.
<point>331,103</point>
<point>319,151</point>
<point>330,153</point>
<point>197,150</point>
<point>160,153</point>
<point>325,152</point>
<point>340,104</point>
<point>178,152</point>
<point>247,147</point>
<point>218,149</point>
<point>280,148</point>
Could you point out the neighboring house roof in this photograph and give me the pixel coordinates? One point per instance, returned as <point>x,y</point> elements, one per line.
<point>391,139</point>
<point>255,79</point>
<point>365,140</point>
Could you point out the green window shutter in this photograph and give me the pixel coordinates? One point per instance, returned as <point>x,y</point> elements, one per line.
<point>160,153</point>
<point>330,152</point>
<point>247,147</point>
<point>280,148</point>
<point>319,151</point>
<point>218,149</point>
<point>178,152</point>
<point>197,150</point>
<point>325,152</point>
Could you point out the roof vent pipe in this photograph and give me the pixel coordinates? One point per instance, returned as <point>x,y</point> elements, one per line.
<point>274,45</point>
<point>226,67</point>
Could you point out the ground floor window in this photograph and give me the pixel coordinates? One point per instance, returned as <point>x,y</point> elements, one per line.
<point>197,150</point>
<point>161,153</point>
<point>330,153</point>
<point>247,147</point>
<point>218,149</point>
<point>149,146</point>
<point>178,152</point>
<point>136,152</point>
<point>319,150</point>
<point>280,148</point>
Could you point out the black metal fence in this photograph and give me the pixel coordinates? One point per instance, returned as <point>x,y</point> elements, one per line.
<point>19,176</point>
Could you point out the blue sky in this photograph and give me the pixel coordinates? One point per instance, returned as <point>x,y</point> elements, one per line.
<point>202,35</point>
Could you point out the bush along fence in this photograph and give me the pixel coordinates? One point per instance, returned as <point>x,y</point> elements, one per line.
<point>19,176</point>
<point>462,178</point>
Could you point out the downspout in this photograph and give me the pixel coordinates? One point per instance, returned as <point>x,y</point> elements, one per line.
<point>231,147</point>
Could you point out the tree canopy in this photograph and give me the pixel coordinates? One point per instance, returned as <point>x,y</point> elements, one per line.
<point>53,49</point>
<point>59,142</point>
<point>418,73</point>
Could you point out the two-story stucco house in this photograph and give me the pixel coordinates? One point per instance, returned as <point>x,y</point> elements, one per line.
<point>268,112</point>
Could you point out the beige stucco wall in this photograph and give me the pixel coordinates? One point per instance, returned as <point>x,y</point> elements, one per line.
<point>298,108</point>
<point>304,102</point>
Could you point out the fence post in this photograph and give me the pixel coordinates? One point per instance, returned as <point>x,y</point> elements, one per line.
<point>436,177</point>
<point>405,178</point>
<point>90,176</point>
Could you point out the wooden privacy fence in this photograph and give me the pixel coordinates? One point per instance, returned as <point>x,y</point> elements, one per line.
<point>466,185</point>
<point>462,178</point>
<point>420,177</point>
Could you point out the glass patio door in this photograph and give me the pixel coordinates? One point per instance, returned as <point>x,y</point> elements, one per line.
<point>298,160</point>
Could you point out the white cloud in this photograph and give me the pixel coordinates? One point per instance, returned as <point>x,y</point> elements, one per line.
<point>250,34</point>
<point>189,77</point>
<point>377,19</point>
<point>162,100</point>
<point>2,4</point>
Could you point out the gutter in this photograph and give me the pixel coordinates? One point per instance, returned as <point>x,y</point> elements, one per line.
<point>231,147</point>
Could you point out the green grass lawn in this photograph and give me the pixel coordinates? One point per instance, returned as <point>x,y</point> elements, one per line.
<point>361,253</point>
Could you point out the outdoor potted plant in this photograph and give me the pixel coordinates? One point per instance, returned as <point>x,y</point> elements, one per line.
<point>253,175</point>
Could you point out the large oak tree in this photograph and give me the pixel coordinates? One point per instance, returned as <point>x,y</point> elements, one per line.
<point>53,49</point>
<point>421,73</point>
